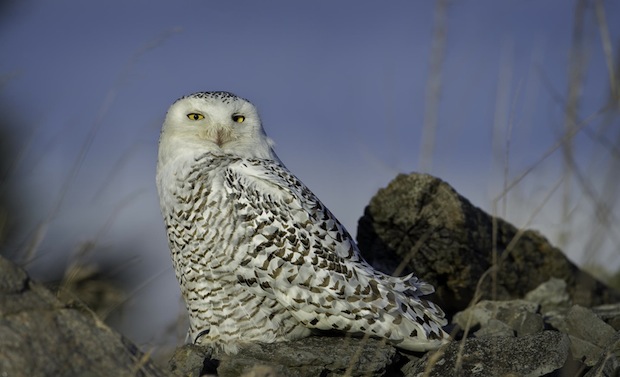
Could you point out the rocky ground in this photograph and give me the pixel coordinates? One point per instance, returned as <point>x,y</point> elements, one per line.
<point>517,306</point>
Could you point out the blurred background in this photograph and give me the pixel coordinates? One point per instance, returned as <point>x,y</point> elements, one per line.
<point>513,103</point>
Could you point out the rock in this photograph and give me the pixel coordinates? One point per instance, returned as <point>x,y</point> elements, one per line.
<point>494,327</point>
<point>589,334</point>
<point>313,356</point>
<point>262,371</point>
<point>421,220</point>
<point>525,323</point>
<point>531,355</point>
<point>609,363</point>
<point>42,336</point>
<point>518,316</point>
<point>609,313</point>
<point>551,296</point>
<point>191,361</point>
<point>553,299</point>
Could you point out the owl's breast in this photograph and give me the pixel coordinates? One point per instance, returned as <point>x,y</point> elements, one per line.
<point>200,217</point>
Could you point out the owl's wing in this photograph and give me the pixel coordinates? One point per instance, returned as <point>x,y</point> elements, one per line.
<point>305,259</point>
<point>299,209</point>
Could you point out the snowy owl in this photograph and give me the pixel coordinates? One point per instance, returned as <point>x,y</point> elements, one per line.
<point>259,258</point>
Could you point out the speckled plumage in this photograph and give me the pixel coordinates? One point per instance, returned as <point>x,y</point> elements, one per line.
<point>257,255</point>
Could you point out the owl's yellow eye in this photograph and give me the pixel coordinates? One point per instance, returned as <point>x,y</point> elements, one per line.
<point>195,116</point>
<point>238,118</point>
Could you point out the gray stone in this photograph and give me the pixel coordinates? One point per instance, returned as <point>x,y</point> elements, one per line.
<point>313,356</point>
<point>609,313</point>
<point>494,327</point>
<point>263,371</point>
<point>550,295</point>
<point>584,351</point>
<point>608,364</point>
<point>526,323</point>
<point>518,315</point>
<point>583,323</point>
<point>589,334</point>
<point>42,336</point>
<point>528,356</point>
<point>189,361</point>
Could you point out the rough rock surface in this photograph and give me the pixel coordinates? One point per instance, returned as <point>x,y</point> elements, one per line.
<point>531,355</point>
<point>609,313</point>
<point>314,356</point>
<point>589,334</point>
<point>609,364</point>
<point>592,341</point>
<point>191,361</point>
<point>422,222</point>
<point>42,336</point>
<point>551,296</point>
<point>520,317</point>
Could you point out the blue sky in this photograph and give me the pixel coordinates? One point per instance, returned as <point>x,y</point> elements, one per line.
<point>341,89</point>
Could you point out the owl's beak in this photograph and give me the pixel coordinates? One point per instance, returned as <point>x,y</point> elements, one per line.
<point>218,135</point>
<point>222,137</point>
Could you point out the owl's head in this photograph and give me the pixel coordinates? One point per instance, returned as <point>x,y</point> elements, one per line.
<point>217,122</point>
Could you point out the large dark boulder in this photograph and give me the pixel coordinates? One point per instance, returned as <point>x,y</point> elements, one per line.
<point>420,223</point>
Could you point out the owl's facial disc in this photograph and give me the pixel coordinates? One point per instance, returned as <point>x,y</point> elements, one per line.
<point>217,122</point>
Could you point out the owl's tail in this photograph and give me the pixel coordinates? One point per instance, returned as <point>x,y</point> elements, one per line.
<point>416,323</point>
